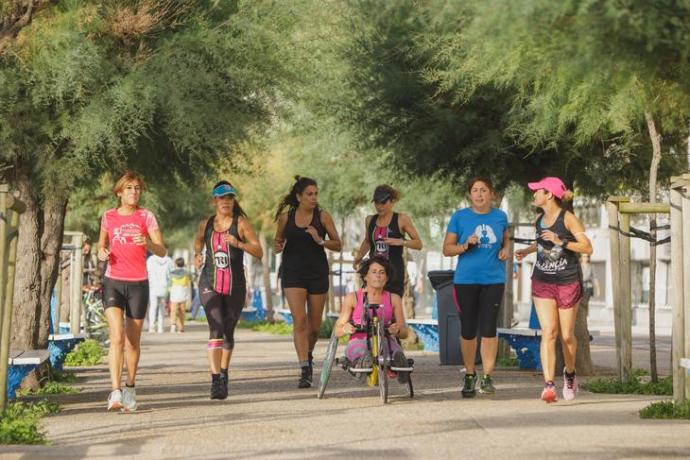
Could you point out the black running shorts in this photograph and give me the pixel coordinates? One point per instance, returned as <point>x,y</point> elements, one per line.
<point>131,296</point>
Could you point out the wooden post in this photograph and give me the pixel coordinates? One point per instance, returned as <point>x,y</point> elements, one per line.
<point>616,278</point>
<point>677,289</point>
<point>625,299</point>
<point>76,284</point>
<point>506,314</point>
<point>686,277</point>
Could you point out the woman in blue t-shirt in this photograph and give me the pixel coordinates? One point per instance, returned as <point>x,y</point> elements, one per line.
<point>477,235</point>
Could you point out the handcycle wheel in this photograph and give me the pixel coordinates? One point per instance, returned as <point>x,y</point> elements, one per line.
<point>383,363</point>
<point>410,388</point>
<point>327,364</point>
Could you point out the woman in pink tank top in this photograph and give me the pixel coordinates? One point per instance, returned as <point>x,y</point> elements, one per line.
<point>375,273</point>
<point>127,232</point>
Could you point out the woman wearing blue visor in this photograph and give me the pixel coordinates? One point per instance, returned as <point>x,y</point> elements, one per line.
<point>219,248</point>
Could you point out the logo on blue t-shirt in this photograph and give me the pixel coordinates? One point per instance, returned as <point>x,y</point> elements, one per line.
<point>486,235</point>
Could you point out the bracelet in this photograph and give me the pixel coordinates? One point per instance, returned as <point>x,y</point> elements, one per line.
<point>322,243</point>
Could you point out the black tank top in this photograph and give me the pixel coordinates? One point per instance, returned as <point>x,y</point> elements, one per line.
<point>219,259</point>
<point>555,264</point>
<point>302,256</point>
<point>377,247</point>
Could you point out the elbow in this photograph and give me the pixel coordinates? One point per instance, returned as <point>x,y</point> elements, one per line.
<point>446,252</point>
<point>338,246</point>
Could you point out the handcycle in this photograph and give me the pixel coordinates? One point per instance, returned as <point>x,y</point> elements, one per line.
<point>95,323</point>
<point>377,346</point>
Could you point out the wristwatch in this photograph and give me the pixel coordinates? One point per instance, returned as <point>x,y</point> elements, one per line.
<point>565,244</point>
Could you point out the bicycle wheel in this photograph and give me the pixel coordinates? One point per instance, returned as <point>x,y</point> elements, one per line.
<point>383,362</point>
<point>327,364</point>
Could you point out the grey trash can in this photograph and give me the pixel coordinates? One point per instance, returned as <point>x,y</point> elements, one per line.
<point>448,318</point>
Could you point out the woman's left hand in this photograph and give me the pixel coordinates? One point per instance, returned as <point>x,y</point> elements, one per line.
<point>139,239</point>
<point>394,328</point>
<point>502,254</point>
<point>231,240</point>
<point>548,235</point>
<point>314,234</point>
<point>394,241</point>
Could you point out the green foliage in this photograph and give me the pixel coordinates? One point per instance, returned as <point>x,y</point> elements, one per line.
<point>87,353</point>
<point>326,328</point>
<point>277,328</point>
<point>633,386</point>
<point>508,362</point>
<point>19,423</point>
<point>50,388</point>
<point>666,410</point>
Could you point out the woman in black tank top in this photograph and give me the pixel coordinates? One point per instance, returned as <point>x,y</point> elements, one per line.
<point>556,280</point>
<point>301,237</point>
<point>384,236</point>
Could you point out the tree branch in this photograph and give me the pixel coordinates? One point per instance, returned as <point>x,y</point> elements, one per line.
<point>19,16</point>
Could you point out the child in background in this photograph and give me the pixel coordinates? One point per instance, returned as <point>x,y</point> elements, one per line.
<point>180,294</point>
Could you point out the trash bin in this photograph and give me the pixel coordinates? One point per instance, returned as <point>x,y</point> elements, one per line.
<point>448,318</point>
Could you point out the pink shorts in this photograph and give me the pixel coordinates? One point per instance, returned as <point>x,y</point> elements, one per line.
<point>565,295</point>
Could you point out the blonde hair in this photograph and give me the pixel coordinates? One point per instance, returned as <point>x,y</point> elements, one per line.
<point>127,177</point>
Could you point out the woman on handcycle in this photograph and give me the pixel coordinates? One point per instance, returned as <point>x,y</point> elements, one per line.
<point>375,273</point>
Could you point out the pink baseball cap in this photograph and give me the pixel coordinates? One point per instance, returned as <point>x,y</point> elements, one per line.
<point>550,184</point>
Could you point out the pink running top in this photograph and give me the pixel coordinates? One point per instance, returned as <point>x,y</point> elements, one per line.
<point>358,312</point>
<point>127,261</point>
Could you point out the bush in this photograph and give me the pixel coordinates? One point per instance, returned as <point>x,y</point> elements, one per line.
<point>663,387</point>
<point>326,328</point>
<point>87,353</point>
<point>19,423</point>
<point>666,409</point>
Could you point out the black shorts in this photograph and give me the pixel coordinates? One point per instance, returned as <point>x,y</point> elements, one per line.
<point>131,296</point>
<point>312,285</point>
<point>478,306</point>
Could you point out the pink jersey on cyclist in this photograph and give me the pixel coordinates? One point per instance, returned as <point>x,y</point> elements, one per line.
<point>127,260</point>
<point>358,312</point>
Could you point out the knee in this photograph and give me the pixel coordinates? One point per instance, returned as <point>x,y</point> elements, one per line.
<point>568,338</point>
<point>549,334</point>
<point>299,325</point>
<point>117,340</point>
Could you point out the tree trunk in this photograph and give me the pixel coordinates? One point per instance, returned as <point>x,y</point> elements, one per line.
<point>266,275</point>
<point>656,158</point>
<point>54,210</point>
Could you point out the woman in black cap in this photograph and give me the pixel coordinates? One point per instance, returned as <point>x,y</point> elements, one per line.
<point>384,236</point>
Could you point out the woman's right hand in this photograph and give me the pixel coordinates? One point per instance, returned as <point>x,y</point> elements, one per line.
<point>278,246</point>
<point>198,261</point>
<point>103,254</point>
<point>348,328</point>
<point>472,240</point>
<point>520,254</point>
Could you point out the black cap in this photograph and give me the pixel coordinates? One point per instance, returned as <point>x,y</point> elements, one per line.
<point>381,195</point>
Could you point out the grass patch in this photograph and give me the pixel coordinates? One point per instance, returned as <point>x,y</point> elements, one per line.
<point>666,410</point>
<point>50,388</point>
<point>87,353</point>
<point>19,423</point>
<point>277,328</point>
<point>664,387</point>
<point>508,362</point>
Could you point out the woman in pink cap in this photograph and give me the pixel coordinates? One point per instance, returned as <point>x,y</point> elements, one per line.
<point>556,280</point>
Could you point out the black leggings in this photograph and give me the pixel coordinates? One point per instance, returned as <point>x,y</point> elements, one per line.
<point>478,305</point>
<point>222,314</point>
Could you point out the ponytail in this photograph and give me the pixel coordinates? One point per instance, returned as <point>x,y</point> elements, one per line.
<point>290,200</point>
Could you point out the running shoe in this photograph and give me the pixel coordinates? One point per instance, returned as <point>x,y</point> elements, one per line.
<point>217,387</point>
<point>399,360</point>
<point>365,362</point>
<point>486,385</point>
<point>305,378</point>
<point>569,386</point>
<point>548,394</point>
<point>115,400</point>
<point>129,399</point>
<point>224,378</point>
<point>468,389</point>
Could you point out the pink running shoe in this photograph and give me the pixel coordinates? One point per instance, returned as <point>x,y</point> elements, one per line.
<point>548,394</point>
<point>569,386</point>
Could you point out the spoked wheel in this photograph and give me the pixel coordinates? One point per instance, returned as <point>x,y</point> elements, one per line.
<point>327,364</point>
<point>383,363</point>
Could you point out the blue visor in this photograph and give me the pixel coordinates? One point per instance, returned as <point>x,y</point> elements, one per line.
<point>224,189</point>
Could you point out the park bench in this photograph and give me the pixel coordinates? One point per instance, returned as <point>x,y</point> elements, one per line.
<point>283,314</point>
<point>20,364</point>
<point>427,331</point>
<point>255,312</point>
<point>525,342</point>
<point>59,345</point>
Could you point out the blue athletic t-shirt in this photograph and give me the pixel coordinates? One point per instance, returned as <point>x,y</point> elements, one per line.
<point>480,265</point>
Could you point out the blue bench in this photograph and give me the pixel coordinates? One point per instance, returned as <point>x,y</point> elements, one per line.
<point>255,312</point>
<point>59,345</point>
<point>20,364</point>
<point>282,314</point>
<point>526,344</point>
<point>427,331</point>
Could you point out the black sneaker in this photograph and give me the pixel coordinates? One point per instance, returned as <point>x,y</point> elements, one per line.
<point>217,387</point>
<point>364,362</point>
<point>224,381</point>
<point>305,378</point>
<point>468,390</point>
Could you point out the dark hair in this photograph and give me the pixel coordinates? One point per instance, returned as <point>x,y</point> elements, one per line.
<point>393,193</point>
<point>290,200</point>
<point>485,180</point>
<point>179,262</point>
<point>566,202</point>
<point>237,210</point>
<point>366,263</point>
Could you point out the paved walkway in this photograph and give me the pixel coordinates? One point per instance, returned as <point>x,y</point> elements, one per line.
<point>266,416</point>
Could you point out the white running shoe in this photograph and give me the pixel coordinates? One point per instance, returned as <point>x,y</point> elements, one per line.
<point>129,399</point>
<point>115,400</point>
<point>173,328</point>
